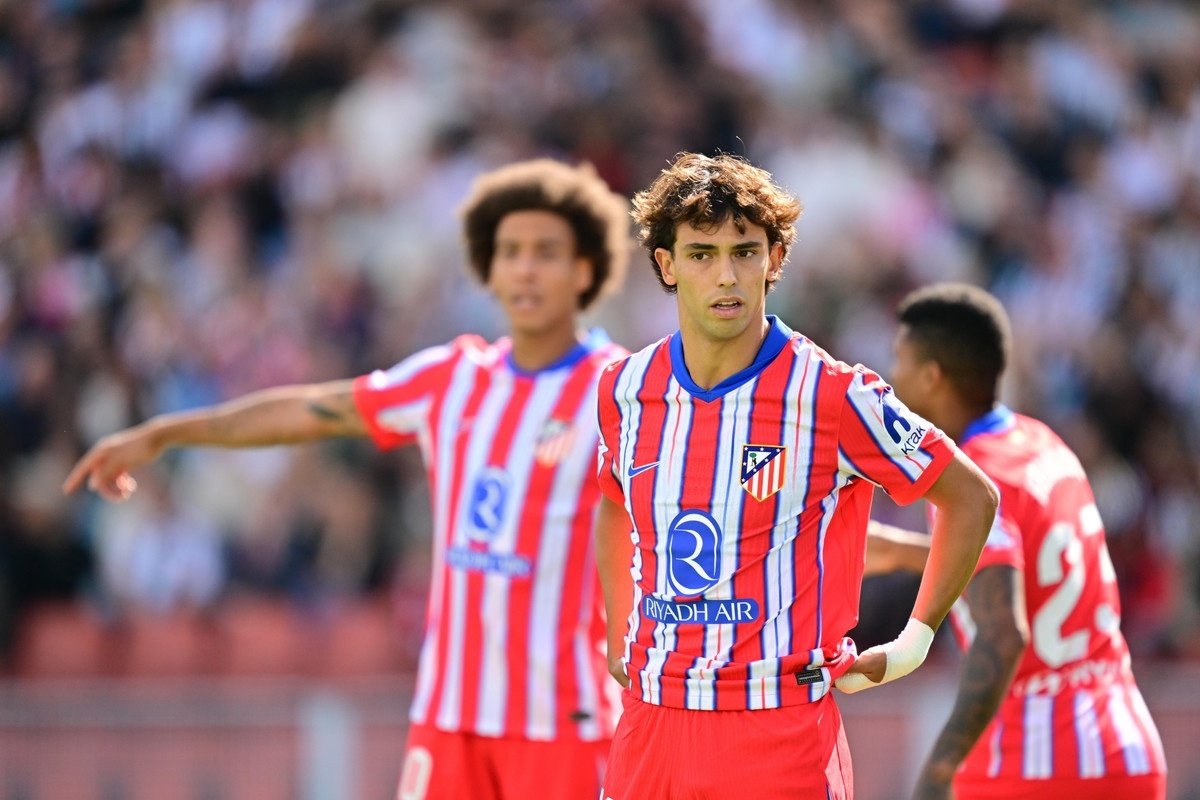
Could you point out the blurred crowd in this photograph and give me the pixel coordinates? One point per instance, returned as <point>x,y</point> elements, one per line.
<point>199,198</point>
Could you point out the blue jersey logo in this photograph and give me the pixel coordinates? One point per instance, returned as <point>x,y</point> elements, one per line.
<point>489,501</point>
<point>693,553</point>
<point>897,426</point>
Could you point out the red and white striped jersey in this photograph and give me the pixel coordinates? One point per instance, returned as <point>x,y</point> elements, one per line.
<point>1073,710</point>
<point>749,504</point>
<point>514,636</point>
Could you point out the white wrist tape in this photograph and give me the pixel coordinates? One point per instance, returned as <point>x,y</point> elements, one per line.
<point>904,654</point>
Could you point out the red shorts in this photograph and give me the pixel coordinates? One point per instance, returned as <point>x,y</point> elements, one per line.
<point>796,752</point>
<point>1118,787</point>
<point>452,766</point>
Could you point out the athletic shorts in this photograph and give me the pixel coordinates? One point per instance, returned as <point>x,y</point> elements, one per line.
<point>796,752</point>
<point>1117,787</point>
<point>454,766</point>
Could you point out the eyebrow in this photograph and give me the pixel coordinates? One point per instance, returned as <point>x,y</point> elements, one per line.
<point>705,247</point>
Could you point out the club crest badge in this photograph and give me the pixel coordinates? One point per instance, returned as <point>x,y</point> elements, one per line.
<point>554,442</point>
<point>763,469</point>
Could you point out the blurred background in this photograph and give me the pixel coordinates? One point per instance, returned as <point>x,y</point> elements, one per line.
<point>199,198</point>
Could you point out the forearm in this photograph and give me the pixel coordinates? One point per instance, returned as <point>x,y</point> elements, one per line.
<point>284,415</point>
<point>995,599</point>
<point>614,555</point>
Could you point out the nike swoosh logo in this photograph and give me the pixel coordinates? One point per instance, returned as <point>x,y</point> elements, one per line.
<point>635,471</point>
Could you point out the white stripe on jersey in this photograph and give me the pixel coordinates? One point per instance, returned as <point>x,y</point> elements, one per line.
<point>493,611</point>
<point>1090,522</point>
<point>582,645</point>
<point>461,383</point>
<point>1087,737</point>
<point>404,418</point>
<point>1038,756</point>
<point>1149,729</point>
<point>546,603</point>
<point>1137,760</point>
<point>487,420</point>
<point>996,759</point>
<point>961,613</point>
<point>668,482</point>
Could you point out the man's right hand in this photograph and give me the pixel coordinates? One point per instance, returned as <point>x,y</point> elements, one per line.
<point>616,668</point>
<point>107,464</point>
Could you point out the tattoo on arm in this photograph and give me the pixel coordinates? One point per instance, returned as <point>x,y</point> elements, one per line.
<point>997,605</point>
<point>325,411</point>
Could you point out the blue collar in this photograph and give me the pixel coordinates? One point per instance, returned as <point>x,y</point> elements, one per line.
<point>997,420</point>
<point>778,335</point>
<point>595,339</point>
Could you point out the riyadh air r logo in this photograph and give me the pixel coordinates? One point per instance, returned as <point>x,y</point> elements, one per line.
<point>693,553</point>
<point>489,499</point>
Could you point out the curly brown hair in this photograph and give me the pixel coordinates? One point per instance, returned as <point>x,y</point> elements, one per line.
<point>597,216</point>
<point>705,190</point>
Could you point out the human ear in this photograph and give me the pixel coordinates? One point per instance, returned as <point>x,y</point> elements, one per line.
<point>666,264</point>
<point>775,268</point>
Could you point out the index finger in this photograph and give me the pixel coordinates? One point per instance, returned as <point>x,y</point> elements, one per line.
<point>82,467</point>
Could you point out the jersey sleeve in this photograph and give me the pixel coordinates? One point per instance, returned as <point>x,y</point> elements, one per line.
<point>882,441</point>
<point>608,418</point>
<point>395,403</point>
<point>1003,545</point>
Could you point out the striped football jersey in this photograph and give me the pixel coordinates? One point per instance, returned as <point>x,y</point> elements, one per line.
<point>1073,710</point>
<point>513,644</point>
<point>749,504</point>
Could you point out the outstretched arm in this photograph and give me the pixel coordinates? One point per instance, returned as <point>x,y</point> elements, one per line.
<point>892,549</point>
<point>996,599</point>
<point>614,555</point>
<point>966,506</point>
<point>285,415</point>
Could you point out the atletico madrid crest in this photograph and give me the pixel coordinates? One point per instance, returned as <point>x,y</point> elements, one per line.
<point>554,442</point>
<point>762,469</point>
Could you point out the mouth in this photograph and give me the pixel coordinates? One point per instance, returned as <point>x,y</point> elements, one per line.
<point>727,306</point>
<point>524,302</point>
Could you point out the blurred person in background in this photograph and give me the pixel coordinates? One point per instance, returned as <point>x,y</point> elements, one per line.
<point>510,700</point>
<point>1041,618</point>
<point>738,462</point>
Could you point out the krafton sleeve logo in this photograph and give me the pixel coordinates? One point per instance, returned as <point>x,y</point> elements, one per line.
<point>901,431</point>
<point>693,553</point>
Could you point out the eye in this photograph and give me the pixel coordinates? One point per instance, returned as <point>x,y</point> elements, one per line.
<point>699,256</point>
<point>745,253</point>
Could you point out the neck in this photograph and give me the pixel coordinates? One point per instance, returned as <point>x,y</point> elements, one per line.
<point>710,361</point>
<point>953,418</point>
<point>534,351</point>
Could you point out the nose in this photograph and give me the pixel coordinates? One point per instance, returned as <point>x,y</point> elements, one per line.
<point>525,265</point>
<point>726,276</point>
